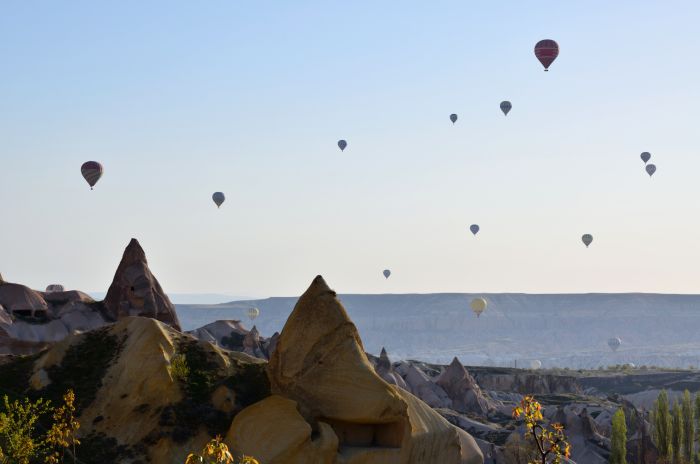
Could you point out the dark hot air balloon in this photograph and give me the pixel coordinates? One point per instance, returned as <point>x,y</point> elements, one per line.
<point>92,171</point>
<point>474,228</point>
<point>646,156</point>
<point>386,273</point>
<point>218,198</point>
<point>587,239</point>
<point>505,107</point>
<point>651,169</point>
<point>453,118</point>
<point>342,144</point>
<point>546,51</point>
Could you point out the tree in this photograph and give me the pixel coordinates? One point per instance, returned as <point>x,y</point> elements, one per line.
<point>618,442</point>
<point>552,444</point>
<point>21,440</point>
<point>216,452</point>
<point>662,424</point>
<point>677,433</point>
<point>688,427</point>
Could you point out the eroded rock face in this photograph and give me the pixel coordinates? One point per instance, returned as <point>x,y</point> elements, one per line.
<point>463,390</point>
<point>136,292</point>
<point>337,409</point>
<point>21,299</point>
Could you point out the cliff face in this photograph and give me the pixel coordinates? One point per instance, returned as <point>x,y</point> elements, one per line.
<point>136,292</point>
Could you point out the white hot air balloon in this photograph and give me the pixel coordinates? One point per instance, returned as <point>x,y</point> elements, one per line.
<point>535,364</point>
<point>253,313</point>
<point>614,343</point>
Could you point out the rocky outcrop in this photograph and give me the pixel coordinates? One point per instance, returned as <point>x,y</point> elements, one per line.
<point>463,391</point>
<point>21,300</point>
<point>385,370</point>
<point>132,405</point>
<point>422,386</point>
<point>136,292</point>
<point>344,412</point>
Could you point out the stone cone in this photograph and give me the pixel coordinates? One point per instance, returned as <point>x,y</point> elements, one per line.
<point>136,292</point>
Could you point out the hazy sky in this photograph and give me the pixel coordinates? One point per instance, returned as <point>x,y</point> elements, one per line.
<point>181,99</point>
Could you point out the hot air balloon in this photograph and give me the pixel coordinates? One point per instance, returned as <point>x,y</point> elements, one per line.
<point>386,273</point>
<point>474,228</point>
<point>646,156</point>
<point>651,169</point>
<point>587,239</point>
<point>478,306</point>
<point>546,51</point>
<point>253,313</point>
<point>505,107</point>
<point>92,171</point>
<point>342,144</point>
<point>453,118</point>
<point>614,343</point>
<point>535,364</point>
<point>218,198</point>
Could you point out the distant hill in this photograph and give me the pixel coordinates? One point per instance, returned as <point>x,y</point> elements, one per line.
<point>564,330</point>
<point>189,298</point>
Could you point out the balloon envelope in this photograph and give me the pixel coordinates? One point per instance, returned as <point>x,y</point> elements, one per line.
<point>651,169</point>
<point>546,51</point>
<point>453,118</point>
<point>91,171</point>
<point>646,156</point>
<point>218,198</point>
<point>505,107</point>
<point>474,228</point>
<point>614,343</point>
<point>535,364</point>
<point>587,239</point>
<point>253,313</point>
<point>386,273</point>
<point>342,144</point>
<point>478,305</point>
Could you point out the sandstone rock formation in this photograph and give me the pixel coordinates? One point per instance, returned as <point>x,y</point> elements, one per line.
<point>132,405</point>
<point>463,391</point>
<point>344,412</point>
<point>21,300</point>
<point>136,292</point>
<point>385,371</point>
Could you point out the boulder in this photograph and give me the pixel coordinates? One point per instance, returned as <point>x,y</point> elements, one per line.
<point>251,344</point>
<point>136,292</point>
<point>329,406</point>
<point>463,391</point>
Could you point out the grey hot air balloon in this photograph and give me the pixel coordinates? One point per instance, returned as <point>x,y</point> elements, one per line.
<point>587,239</point>
<point>342,144</point>
<point>218,198</point>
<point>474,228</point>
<point>646,156</point>
<point>253,313</point>
<point>386,273</point>
<point>614,343</point>
<point>505,107</point>
<point>478,305</point>
<point>453,118</point>
<point>91,171</point>
<point>651,169</point>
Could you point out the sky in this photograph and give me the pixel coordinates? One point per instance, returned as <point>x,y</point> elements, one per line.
<point>180,99</point>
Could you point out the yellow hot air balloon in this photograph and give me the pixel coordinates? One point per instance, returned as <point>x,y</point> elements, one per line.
<point>478,306</point>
